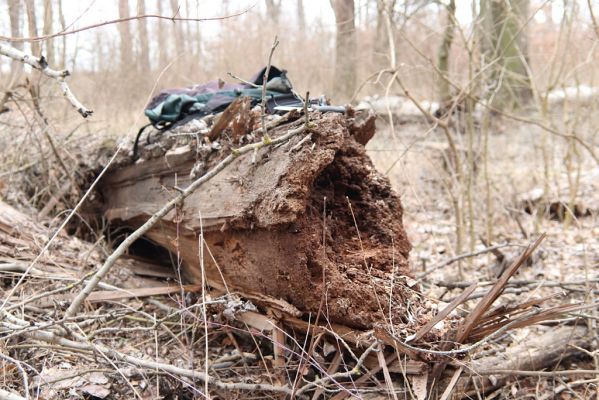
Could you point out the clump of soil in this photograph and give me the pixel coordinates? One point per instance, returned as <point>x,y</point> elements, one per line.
<point>365,244</point>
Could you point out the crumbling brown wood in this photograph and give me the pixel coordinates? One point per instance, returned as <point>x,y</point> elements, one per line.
<point>262,221</point>
<point>237,115</point>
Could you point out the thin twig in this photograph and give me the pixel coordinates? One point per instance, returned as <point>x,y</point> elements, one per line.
<point>119,20</point>
<point>17,363</point>
<point>264,81</point>
<point>41,64</point>
<point>109,353</point>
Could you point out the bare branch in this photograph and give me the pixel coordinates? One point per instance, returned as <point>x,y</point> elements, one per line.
<point>119,20</point>
<point>41,64</point>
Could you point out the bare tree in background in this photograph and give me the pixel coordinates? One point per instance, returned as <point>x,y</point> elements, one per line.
<point>162,47</point>
<point>504,48</point>
<point>47,30</point>
<point>63,26</point>
<point>301,17</point>
<point>344,82</point>
<point>445,96</point>
<point>16,68</point>
<point>32,26</point>
<point>125,36</point>
<point>273,10</point>
<point>177,29</point>
<point>380,49</point>
<point>144,45</point>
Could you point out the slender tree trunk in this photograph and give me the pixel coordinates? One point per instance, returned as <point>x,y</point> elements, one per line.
<point>162,46</point>
<point>273,10</point>
<point>301,17</point>
<point>49,43</point>
<point>63,26</point>
<point>344,82</point>
<point>504,44</point>
<point>126,42</point>
<point>380,48</point>
<point>32,26</point>
<point>14,12</point>
<point>445,96</point>
<point>177,28</point>
<point>144,45</point>
<point>16,67</point>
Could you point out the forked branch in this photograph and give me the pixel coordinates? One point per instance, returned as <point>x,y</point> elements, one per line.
<point>41,64</point>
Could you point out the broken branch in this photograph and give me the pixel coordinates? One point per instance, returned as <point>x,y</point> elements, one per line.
<point>41,64</point>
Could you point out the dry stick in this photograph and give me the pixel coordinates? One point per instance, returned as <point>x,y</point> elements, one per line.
<point>50,337</point>
<point>59,76</point>
<point>275,43</point>
<point>6,395</point>
<point>17,363</point>
<point>339,375</point>
<point>386,375</point>
<point>461,257</point>
<point>451,385</point>
<point>119,20</point>
<point>496,290</point>
<point>110,261</point>
<point>536,373</point>
<point>60,228</point>
<point>469,348</point>
<point>444,313</point>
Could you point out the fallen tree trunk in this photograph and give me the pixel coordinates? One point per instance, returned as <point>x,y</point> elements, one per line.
<point>533,354</point>
<point>310,222</point>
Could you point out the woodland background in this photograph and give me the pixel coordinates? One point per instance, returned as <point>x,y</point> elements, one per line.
<point>487,115</point>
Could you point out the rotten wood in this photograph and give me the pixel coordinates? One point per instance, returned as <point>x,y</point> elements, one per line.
<point>237,116</point>
<point>263,225</point>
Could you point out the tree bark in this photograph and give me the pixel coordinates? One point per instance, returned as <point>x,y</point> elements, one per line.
<point>144,45</point>
<point>504,45</point>
<point>445,96</point>
<point>16,67</point>
<point>126,42</point>
<point>273,11</point>
<point>301,16</point>
<point>177,29</point>
<point>48,43</point>
<point>63,25</point>
<point>163,52</point>
<point>32,26</point>
<point>344,82</point>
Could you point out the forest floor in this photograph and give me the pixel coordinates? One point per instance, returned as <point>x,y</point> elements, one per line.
<point>565,267</point>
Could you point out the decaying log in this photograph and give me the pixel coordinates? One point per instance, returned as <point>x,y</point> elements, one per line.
<point>573,200</point>
<point>533,354</point>
<point>310,222</point>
